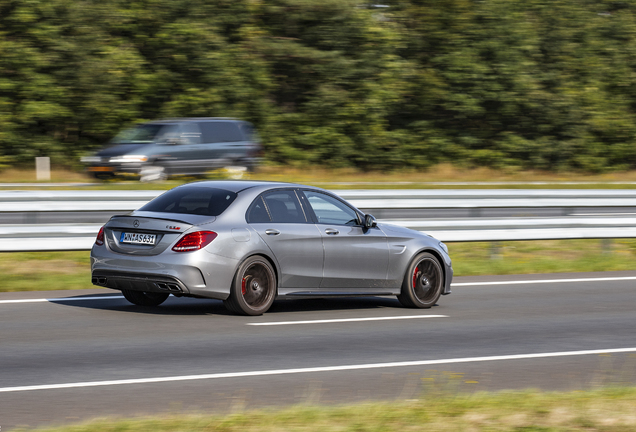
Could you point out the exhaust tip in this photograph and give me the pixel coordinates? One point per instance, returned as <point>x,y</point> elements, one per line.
<point>99,281</point>
<point>174,287</point>
<point>162,286</point>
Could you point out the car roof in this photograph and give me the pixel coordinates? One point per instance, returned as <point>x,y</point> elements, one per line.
<point>185,119</point>
<point>240,185</point>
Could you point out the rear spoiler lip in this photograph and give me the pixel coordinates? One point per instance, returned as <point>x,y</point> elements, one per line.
<point>150,217</point>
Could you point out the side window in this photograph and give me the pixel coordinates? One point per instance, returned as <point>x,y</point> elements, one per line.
<point>257,213</point>
<point>329,210</point>
<point>190,133</point>
<point>247,130</point>
<point>220,131</point>
<point>284,207</point>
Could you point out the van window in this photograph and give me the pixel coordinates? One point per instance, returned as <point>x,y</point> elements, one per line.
<point>141,134</point>
<point>220,131</point>
<point>190,133</point>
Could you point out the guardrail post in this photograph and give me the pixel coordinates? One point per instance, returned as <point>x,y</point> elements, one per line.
<point>43,168</point>
<point>495,250</point>
<point>606,246</point>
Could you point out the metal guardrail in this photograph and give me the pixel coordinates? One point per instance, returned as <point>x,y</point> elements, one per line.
<point>78,201</point>
<point>16,238</point>
<point>40,237</point>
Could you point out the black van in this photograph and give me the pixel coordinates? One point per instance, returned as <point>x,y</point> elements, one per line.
<point>185,146</point>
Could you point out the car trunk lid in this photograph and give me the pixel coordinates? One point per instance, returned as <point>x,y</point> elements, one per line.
<point>148,234</point>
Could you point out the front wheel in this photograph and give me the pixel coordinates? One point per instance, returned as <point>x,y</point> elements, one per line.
<point>423,282</point>
<point>152,173</point>
<point>142,298</point>
<point>254,287</point>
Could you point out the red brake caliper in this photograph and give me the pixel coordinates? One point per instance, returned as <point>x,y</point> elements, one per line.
<point>414,277</point>
<point>243,289</point>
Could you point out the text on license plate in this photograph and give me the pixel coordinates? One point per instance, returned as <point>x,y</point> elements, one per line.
<point>138,238</point>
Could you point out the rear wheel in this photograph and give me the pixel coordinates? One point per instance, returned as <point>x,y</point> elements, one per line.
<point>142,298</point>
<point>152,173</point>
<point>423,282</point>
<point>253,289</point>
<point>103,176</point>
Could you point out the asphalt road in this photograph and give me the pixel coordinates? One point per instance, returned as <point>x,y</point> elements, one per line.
<point>68,360</point>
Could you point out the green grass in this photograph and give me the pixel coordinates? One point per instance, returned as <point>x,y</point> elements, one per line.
<point>30,271</point>
<point>37,271</point>
<point>353,178</point>
<point>610,409</point>
<point>545,256</point>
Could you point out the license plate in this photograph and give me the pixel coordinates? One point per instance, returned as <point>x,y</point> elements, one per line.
<point>100,169</point>
<point>137,238</point>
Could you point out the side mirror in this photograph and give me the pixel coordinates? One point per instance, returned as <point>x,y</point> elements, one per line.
<point>369,221</point>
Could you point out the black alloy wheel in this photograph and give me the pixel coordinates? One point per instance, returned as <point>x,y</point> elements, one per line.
<point>254,287</point>
<point>423,282</point>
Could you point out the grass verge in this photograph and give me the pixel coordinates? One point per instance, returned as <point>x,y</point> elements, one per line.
<point>34,271</point>
<point>347,178</point>
<point>610,409</point>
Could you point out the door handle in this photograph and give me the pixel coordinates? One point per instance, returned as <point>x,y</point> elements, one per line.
<point>332,231</point>
<point>272,232</point>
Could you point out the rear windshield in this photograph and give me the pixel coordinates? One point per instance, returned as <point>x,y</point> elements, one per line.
<point>192,200</point>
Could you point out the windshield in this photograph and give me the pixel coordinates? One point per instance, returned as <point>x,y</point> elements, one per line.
<point>192,200</point>
<point>146,133</point>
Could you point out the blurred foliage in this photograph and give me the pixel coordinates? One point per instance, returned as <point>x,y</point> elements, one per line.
<point>523,84</point>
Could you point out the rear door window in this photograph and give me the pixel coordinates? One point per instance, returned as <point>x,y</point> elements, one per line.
<point>284,207</point>
<point>276,207</point>
<point>220,131</point>
<point>257,213</point>
<point>192,200</point>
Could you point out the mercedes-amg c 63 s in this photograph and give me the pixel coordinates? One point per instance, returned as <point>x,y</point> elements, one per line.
<point>248,243</point>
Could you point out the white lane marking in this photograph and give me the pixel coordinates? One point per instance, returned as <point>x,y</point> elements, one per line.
<point>61,299</point>
<point>311,370</point>
<point>545,281</point>
<point>278,323</point>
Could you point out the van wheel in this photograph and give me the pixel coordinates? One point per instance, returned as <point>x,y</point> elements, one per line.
<point>152,173</point>
<point>236,172</point>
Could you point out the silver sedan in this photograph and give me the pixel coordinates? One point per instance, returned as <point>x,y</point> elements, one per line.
<point>248,243</point>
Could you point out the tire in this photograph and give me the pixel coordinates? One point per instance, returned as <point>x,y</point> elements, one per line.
<point>236,172</point>
<point>253,289</point>
<point>153,173</point>
<point>423,282</point>
<point>142,298</point>
<point>103,176</point>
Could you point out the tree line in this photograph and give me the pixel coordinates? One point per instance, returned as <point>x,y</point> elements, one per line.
<point>527,84</point>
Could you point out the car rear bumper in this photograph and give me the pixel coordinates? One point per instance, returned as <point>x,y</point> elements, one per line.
<point>200,273</point>
<point>138,282</point>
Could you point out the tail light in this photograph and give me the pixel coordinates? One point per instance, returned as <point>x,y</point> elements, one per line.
<point>100,237</point>
<point>194,241</point>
